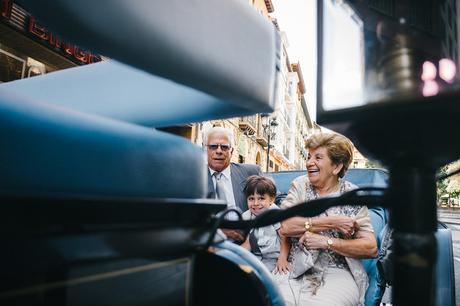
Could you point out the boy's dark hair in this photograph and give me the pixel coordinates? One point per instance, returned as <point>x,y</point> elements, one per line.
<point>261,185</point>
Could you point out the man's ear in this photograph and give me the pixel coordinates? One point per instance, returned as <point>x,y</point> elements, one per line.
<point>231,150</point>
<point>338,168</point>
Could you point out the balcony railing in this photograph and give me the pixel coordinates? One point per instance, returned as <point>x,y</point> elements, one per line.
<point>248,124</point>
<point>262,138</point>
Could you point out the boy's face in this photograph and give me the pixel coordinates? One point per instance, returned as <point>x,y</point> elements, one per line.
<point>258,203</point>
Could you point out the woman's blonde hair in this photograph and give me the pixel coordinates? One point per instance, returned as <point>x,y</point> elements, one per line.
<point>339,148</point>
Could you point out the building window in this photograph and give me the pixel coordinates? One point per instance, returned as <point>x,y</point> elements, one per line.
<point>12,67</point>
<point>258,161</point>
<point>16,66</point>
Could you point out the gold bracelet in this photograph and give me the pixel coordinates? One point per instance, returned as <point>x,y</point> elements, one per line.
<point>308,224</point>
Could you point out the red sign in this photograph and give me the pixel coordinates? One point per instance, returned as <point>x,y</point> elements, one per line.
<point>38,32</point>
<point>53,41</point>
<point>5,8</point>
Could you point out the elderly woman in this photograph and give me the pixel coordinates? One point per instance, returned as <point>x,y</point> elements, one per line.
<point>325,249</point>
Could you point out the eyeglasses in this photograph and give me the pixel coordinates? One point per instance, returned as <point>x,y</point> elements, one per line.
<point>223,147</point>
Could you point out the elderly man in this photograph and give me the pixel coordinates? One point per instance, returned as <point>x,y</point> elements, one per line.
<point>226,180</point>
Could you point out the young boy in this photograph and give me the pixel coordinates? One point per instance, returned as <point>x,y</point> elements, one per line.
<point>266,242</point>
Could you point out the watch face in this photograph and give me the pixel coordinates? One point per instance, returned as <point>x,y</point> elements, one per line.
<point>330,242</point>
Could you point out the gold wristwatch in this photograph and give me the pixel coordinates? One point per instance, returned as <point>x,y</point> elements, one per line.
<point>330,243</point>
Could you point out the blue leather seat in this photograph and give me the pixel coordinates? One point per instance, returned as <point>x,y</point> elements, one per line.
<point>373,293</point>
<point>445,280</point>
<point>444,273</point>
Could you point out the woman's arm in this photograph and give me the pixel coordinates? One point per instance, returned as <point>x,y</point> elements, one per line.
<point>363,245</point>
<point>293,227</point>
<point>297,226</point>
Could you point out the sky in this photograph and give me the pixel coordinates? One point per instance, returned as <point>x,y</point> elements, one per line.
<point>298,19</point>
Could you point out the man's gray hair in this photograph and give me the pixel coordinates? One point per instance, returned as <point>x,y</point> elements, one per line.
<point>219,129</point>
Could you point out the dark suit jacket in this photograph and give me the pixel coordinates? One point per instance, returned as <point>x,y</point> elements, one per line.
<point>239,174</point>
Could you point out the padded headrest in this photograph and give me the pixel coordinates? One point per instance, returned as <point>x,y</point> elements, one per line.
<point>48,150</point>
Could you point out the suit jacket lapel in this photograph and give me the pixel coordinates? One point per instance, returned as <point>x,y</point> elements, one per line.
<point>237,184</point>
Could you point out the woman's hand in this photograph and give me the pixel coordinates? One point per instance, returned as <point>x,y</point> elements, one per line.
<point>282,266</point>
<point>313,241</point>
<point>345,225</point>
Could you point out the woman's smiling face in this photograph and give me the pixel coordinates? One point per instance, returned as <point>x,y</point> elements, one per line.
<point>320,168</point>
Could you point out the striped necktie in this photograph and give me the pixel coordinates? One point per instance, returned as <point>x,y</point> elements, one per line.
<point>220,193</point>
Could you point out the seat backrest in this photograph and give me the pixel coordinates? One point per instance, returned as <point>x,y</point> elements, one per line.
<point>373,293</point>
<point>445,279</point>
<point>444,267</point>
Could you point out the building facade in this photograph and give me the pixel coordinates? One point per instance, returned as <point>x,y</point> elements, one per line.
<point>273,141</point>
<point>359,161</point>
